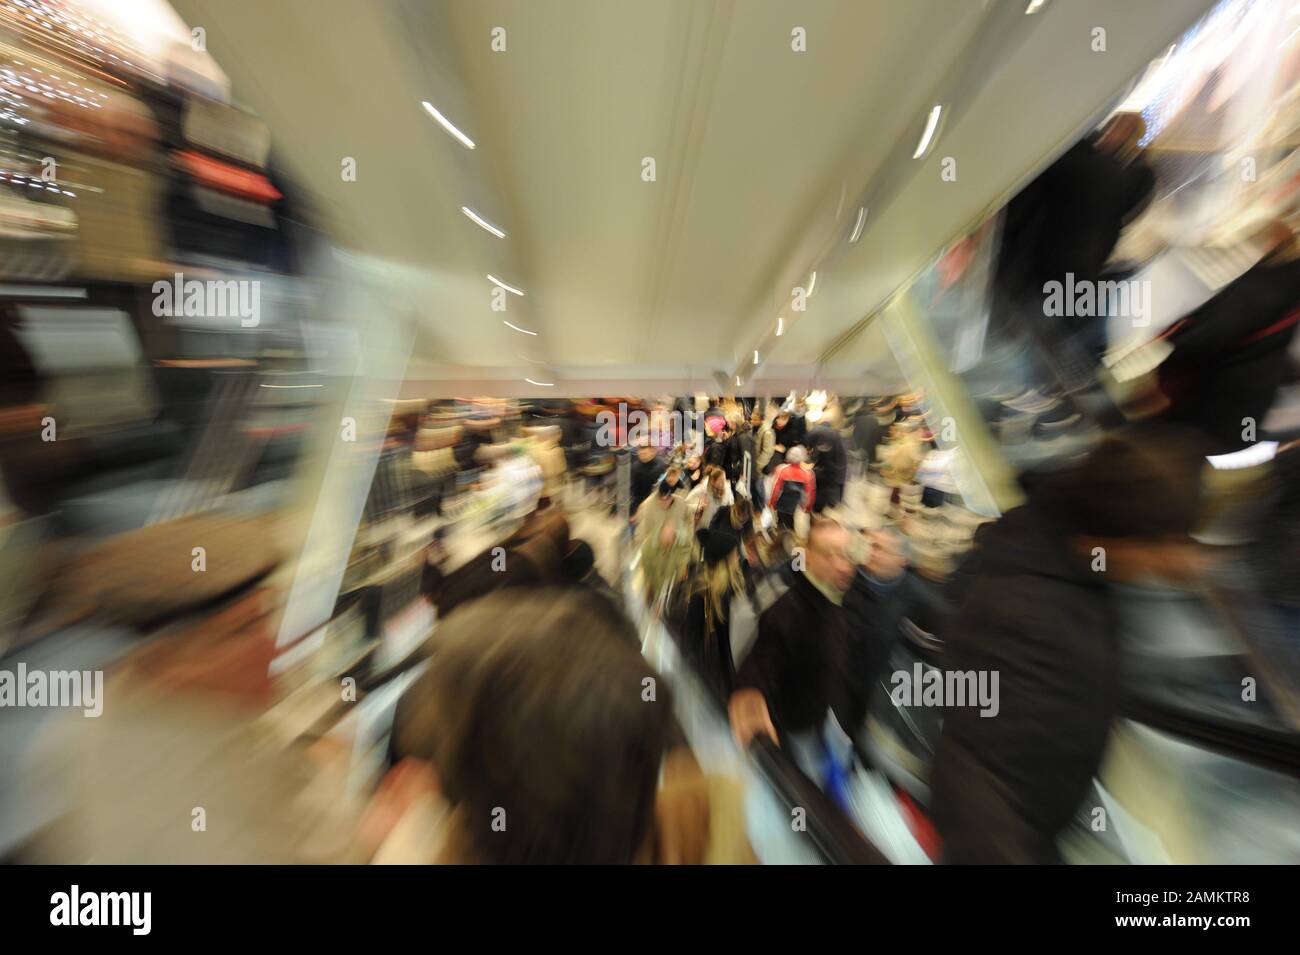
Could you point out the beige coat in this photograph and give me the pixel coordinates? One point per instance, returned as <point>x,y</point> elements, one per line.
<point>546,451</point>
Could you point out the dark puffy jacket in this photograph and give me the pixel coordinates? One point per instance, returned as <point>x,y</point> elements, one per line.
<point>789,436</point>
<point>867,433</point>
<point>1230,355</point>
<point>1004,786</point>
<point>739,446</point>
<point>830,460</point>
<point>804,661</point>
<point>644,476</point>
<point>875,614</point>
<point>716,451</point>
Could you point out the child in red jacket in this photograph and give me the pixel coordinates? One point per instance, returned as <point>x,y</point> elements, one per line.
<point>795,487</point>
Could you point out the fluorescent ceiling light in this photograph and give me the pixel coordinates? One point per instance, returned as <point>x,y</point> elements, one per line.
<point>509,288</point>
<point>931,124</point>
<point>448,125</point>
<point>738,381</point>
<point>755,356</point>
<point>518,329</point>
<point>480,221</point>
<point>780,325</point>
<point>1034,6</point>
<point>812,284</point>
<point>857,226</point>
<point>543,384</point>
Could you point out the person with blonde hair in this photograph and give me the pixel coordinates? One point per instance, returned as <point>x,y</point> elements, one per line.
<point>711,495</point>
<point>716,579</point>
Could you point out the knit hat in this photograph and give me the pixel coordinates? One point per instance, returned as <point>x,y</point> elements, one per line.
<point>1138,484</point>
<point>717,544</point>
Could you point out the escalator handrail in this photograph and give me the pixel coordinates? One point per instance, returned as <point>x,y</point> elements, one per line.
<point>837,840</point>
<point>1273,749</point>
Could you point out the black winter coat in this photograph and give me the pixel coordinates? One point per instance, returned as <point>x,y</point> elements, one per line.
<point>1230,355</point>
<point>789,436</point>
<point>644,476</point>
<point>804,661</point>
<point>1032,610</point>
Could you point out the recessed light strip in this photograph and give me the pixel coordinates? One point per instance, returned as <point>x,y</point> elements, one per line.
<point>483,223</point>
<point>448,125</point>
<point>931,124</point>
<point>857,226</point>
<point>509,288</point>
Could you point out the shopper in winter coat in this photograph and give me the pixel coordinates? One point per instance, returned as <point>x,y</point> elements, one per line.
<point>883,593</point>
<point>787,432</point>
<point>647,467</point>
<point>709,496</point>
<point>803,667</point>
<point>1230,355</point>
<point>717,448</point>
<point>794,487</point>
<point>764,442</point>
<point>545,450</point>
<point>867,434</point>
<point>1036,611</point>
<point>741,453</point>
<point>664,535</point>
<point>716,582</point>
<point>830,464</point>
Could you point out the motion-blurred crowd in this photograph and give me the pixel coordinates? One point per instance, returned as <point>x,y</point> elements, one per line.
<point>467,682</point>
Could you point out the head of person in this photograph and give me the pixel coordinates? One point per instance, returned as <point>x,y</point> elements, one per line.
<point>886,555</point>
<point>1121,136</point>
<point>717,481</point>
<point>742,515</point>
<point>756,418</point>
<point>718,571</point>
<point>796,455</point>
<point>1136,499</point>
<point>782,418</point>
<point>672,480</point>
<point>645,451</point>
<point>827,554</point>
<point>532,720</point>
